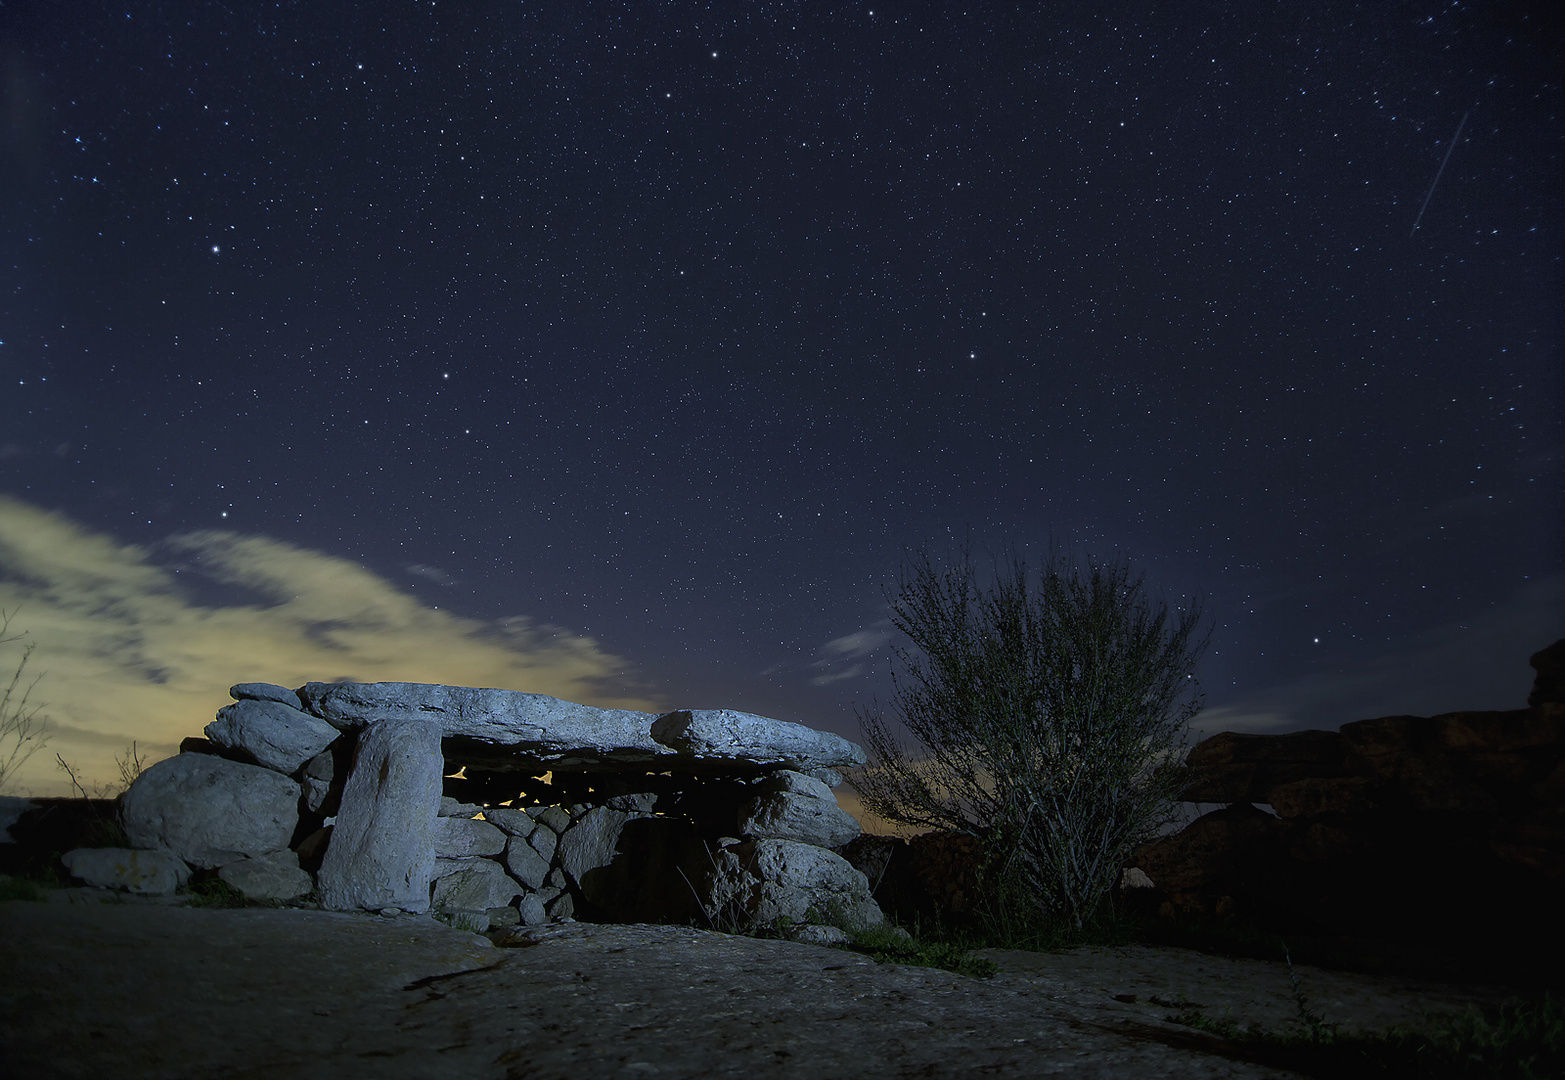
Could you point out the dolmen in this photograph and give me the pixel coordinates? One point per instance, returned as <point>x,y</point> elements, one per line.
<point>497,807</point>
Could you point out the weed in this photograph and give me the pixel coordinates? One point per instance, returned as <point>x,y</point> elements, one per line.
<point>18,888</point>
<point>1319,1030</point>
<point>214,892</point>
<point>885,945</point>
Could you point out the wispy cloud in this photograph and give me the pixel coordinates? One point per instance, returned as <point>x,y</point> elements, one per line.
<point>134,645</point>
<point>433,573</point>
<point>850,650</point>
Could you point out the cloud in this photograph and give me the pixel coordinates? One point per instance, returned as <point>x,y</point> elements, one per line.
<point>849,649</point>
<point>141,643</point>
<point>862,643</point>
<point>433,573</point>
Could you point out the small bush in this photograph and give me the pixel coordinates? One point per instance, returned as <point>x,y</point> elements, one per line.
<point>18,888</point>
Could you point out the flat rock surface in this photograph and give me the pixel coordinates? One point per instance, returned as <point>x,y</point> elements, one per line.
<point>148,989</point>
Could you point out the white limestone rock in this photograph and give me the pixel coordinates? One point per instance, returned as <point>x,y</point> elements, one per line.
<point>481,886</point>
<point>759,882</point>
<point>450,807</point>
<point>510,821</point>
<point>319,781</point>
<point>590,842</point>
<point>532,911</point>
<point>792,806</point>
<point>545,841</point>
<point>152,873</point>
<point>264,691</point>
<point>812,934</point>
<point>458,837</point>
<point>271,733</point>
<point>382,850</point>
<point>208,810</point>
<point>525,864</point>
<point>556,818</point>
<point>522,730</point>
<point>727,735</point>
<point>273,876</point>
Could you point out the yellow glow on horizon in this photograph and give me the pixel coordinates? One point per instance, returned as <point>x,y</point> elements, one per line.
<point>128,651</point>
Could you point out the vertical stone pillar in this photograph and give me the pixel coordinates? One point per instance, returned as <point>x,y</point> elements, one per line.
<point>382,849</point>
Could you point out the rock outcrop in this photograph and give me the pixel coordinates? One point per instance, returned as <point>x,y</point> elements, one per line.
<point>1399,826</point>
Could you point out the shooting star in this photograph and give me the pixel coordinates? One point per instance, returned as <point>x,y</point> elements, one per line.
<point>1440,172</point>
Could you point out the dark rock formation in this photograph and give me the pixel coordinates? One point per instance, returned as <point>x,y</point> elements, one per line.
<point>1449,827</point>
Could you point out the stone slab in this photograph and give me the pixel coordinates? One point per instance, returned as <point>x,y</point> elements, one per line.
<point>382,849</point>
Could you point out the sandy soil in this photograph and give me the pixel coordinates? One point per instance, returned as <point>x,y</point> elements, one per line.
<point>90,988</point>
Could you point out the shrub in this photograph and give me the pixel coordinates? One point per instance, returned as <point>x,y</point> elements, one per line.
<point>1050,712</point>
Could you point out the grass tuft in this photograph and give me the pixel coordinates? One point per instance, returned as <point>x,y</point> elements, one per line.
<point>19,888</point>
<point>886,946</point>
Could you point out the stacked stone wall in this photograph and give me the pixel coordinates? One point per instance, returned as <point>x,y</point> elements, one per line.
<point>497,808</point>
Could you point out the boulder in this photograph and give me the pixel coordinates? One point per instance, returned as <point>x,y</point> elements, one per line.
<point>511,822</point>
<point>531,910</point>
<point>457,838</point>
<point>760,883</point>
<point>319,780</point>
<point>273,876</point>
<point>504,728</point>
<point>482,885</point>
<point>153,873</point>
<point>382,849</point>
<point>812,934</point>
<point>793,806</point>
<point>524,863</point>
<point>545,841</point>
<point>208,810</point>
<point>270,733</point>
<point>556,818</point>
<point>450,807</point>
<point>590,842</point>
<point>264,691</point>
<point>730,736</point>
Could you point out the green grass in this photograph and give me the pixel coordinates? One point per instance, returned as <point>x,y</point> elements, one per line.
<point>19,888</point>
<point>886,946</point>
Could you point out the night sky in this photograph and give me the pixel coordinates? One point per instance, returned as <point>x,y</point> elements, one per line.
<point>621,351</point>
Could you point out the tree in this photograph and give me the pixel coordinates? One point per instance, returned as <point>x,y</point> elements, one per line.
<point>1050,711</point>
<point>21,728</point>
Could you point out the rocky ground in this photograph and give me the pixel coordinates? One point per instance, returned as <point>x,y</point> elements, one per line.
<point>95,986</point>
